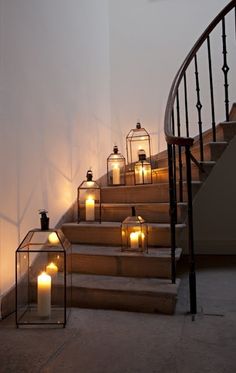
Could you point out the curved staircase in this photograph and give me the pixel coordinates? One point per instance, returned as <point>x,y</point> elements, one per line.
<point>108,278</point>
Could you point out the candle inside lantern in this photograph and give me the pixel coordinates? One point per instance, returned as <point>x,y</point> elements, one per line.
<point>134,240</point>
<point>116,174</point>
<point>51,269</point>
<point>89,209</point>
<point>53,238</point>
<point>44,295</point>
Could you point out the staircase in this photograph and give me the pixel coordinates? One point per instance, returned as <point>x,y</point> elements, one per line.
<point>106,277</point>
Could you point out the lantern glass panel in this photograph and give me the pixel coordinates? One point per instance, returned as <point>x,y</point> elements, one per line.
<point>89,201</point>
<point>116,168</point>
<point>43,279</point>
<point>138,138</point>
<point>134,232</point>
<point>142,172</point>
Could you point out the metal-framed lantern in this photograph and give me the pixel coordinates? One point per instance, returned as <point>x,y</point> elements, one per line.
<point>142,169</point>
<point>115,168</point>
<point>134,234</point>
<point>138,138</point>
<point>43,278</point>
<point>89,200</point>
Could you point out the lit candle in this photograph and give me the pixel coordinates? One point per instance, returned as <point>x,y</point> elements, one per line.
<point>53,238</point>
<point>44,295</point>
<point>116,174</point>
<point>134,238</point>
<point>89,209</point>
<point>52,269</point>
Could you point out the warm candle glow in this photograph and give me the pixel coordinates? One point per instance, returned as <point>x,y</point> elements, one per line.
<point>90,209</point>
<point>134,240</point>
<point>51,269</point>
<point>53,238</point>
<point>44,295</point>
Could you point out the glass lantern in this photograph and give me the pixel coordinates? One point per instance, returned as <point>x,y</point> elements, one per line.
<point>142,169</point>
<point>43,278</point>
<point>89,200</point>
<point>134,234</point>
<point>138,138</point>
<point>115,168</point>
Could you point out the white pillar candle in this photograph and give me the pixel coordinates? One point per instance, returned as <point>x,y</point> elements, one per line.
<point>51,269</point>
<point>134,240</point>
<point>139,175</point>
<point>116,174</point>
<point>89,209</point>
<point>44,295</point>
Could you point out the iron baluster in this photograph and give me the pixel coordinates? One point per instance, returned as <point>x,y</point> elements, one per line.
<point>173,212</point>
<point>192,274</point>
<point>225,70</point>
<point>174,162</point>
<point>199,109</point>
<point>186,104</point>
<point>179,151</point>
<point>211,90</point>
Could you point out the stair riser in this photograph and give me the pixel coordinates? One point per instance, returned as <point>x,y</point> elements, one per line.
<point>156,193</point>
<point>149,213</point>
<point>123,301</point>
<point>111,236</point>
<point>121,266</point>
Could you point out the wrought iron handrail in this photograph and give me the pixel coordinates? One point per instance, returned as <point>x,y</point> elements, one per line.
<point>176,142</point>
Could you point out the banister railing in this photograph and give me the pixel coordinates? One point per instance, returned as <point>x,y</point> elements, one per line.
<point>201,85</point>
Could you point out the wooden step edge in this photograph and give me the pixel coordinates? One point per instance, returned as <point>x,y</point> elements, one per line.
<point>116,225</point>
<point>125,284</point>
<point>114,251</point>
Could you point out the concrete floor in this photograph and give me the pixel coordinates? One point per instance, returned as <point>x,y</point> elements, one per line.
<point>97,341</point>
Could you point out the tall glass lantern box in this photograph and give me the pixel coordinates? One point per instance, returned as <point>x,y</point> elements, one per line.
<point>115,168</point>
<point>43,278</point>
<point>134,233</point>
<point>142,169</point>
<point>137,138</point>
<point>89,200</point>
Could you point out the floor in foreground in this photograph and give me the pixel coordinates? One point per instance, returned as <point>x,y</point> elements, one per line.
<point>97,341</point>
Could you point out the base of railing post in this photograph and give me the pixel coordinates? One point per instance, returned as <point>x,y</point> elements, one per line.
<point>193,293</point>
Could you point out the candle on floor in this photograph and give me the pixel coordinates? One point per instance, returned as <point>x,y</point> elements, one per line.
<point>134,240</point>
<point>51,269</point>
<point>44,294</point>
<point>89,209</point>
<point>116,174</point>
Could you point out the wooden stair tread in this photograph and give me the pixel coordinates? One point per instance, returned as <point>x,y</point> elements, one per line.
<point>126,284</point>
<point>113,224</point>
<point>161,253</point>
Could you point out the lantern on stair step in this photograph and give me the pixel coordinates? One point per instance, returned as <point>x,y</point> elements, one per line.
<point>115,168</point>
<point>142,169</point>
<point>137,138</point>
<point>89,200</point>
<point>134,233</point>
<point>43,278</point>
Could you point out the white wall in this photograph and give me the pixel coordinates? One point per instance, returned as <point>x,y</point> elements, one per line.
<point>149,40</point>
<point>54,110</point>
<point>75,75</point>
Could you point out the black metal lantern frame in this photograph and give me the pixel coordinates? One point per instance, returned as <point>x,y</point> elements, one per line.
<point>115,168</point>
<point>142,169</point>
<point>43,279</point>
<point>138,138</point>
<point>134,234</point>
<point>89,200</point>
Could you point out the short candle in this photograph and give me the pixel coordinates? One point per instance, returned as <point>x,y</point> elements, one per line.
<point>44,294</point>
<point>51,269</point>
<point>134,240</point>
<point>53,238</point>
